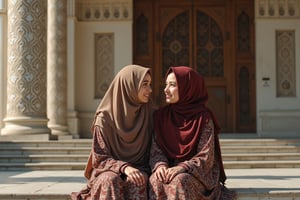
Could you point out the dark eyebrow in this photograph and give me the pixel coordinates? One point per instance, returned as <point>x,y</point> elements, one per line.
<point>171,82</point>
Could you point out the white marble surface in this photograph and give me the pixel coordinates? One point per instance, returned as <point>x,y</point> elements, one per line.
<point>282,183</point>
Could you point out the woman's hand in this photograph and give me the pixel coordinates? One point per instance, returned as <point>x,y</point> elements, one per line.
<point>136,176</point>
<point>166,175</point>
<point>172,172</point>
<point>160,173</point>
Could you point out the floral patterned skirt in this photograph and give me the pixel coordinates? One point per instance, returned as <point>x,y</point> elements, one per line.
<point>186,187</point>
<point>110,186</point>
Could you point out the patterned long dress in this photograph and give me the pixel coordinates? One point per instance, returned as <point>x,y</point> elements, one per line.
<point>199,182</point>
<point>108,181</point>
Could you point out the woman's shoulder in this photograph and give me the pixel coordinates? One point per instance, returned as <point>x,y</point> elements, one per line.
<point>103,118</point>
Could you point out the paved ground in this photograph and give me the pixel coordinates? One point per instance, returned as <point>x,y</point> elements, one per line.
<point>245,181</point>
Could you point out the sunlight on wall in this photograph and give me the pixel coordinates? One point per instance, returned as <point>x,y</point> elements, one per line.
<point>2,61</point>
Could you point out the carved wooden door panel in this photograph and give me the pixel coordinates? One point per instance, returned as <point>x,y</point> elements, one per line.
<point>214,37</point>
<point>195,37</point>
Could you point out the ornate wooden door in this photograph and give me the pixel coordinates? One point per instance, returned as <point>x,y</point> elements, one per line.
<point>198,35</point>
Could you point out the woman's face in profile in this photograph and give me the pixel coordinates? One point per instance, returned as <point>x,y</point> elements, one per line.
<point>171,89</point>
<point>145,90</point>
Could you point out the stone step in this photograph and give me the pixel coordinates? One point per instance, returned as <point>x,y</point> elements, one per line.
<point>43,166</point>
<point>238,151</point>
<point>260,149</point>
<point>35,197</point>
<point>62,150</point>
<point>83,157</point>
<point>88,142</point>
<point>261,164</point>
<point>227,145</point>
<point>223,141</point>
<point>49,143</point>
<point>72,154</point>
<point>42,158</point>
<point>81,165</point>
<point>260,156</point>
<point>260,142</point>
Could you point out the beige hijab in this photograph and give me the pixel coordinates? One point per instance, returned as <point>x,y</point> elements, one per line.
<point>124,122</point>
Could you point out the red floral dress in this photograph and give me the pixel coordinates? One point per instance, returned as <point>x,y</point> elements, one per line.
<point>201,179</point>
<point>108,181</point>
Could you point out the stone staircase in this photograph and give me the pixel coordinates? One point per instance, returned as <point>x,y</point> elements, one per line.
<point>257,168</point>
<point>72,154</point>
<point>260,153</point>
<point>44,155</point>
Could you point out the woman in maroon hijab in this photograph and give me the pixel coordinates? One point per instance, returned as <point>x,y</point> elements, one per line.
<point>185,156</point>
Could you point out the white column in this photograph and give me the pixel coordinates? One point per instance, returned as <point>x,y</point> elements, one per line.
<point>26,69</point>
<point>57,67</point>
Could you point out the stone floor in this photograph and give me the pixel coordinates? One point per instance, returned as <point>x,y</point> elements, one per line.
<point>279,184</point>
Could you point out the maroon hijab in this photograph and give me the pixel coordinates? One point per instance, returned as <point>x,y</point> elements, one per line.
<point>178,125</point>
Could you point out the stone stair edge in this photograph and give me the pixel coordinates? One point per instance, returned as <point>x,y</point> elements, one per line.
<point>43,156</point>
<point>259,154</point>
<point>44,164</point>
<point>84,163</point>
<point>225,146</point>
<point>242,194</point>
<point>225,143</point>
<point>35,196</point>
<point>90,140</point>
<point>42,147</point>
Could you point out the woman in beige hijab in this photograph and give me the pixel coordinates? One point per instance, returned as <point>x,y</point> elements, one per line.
<point>118,164</point>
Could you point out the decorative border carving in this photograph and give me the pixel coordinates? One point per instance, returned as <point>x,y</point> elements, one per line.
<point>104,62</point>
<point>104,10</point>
<point>285,65</point>
<point>277,8</point>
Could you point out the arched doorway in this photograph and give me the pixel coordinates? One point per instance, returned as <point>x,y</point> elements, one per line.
<point>208,37</point>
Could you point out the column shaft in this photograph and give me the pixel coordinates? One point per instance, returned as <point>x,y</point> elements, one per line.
<point>26,68</point>
<point>57,67</point>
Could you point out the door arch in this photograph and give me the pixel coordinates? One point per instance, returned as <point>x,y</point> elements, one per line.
<point>195,38</point>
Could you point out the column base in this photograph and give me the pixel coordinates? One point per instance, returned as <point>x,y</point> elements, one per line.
<point>58,129</point>
<point>60,132</point>
<point>26,128</point>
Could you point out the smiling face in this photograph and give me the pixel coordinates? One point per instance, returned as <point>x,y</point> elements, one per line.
<point>171,89</point>
<point>145,90</point>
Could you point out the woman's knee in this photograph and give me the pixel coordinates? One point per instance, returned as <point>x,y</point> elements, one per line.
<point>153,179</point>
<point>183,178</point>
<point>186,180</point>
<point>109,177</point>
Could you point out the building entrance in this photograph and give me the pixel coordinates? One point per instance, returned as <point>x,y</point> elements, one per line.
<point>216,38</point>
